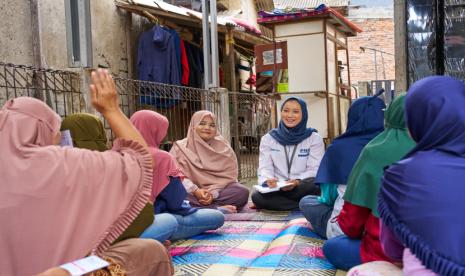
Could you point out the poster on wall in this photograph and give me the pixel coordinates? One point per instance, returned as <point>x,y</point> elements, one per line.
<point>265,65</point>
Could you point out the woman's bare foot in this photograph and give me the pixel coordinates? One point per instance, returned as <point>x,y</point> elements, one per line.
<point>253,206</point>
<point>228,209</point>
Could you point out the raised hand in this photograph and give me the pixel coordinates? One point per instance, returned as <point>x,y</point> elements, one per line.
<point>103,92</point>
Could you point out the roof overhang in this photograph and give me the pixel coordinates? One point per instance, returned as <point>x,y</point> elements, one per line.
<point>188,18</point>
<point>330,14</point>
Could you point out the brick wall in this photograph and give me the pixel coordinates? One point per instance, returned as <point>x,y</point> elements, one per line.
<point>377,34</point>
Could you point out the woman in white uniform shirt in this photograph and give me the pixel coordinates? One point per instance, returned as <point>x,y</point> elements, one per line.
<point>292,153</point>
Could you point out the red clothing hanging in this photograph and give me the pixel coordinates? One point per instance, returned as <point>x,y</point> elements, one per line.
<point>185,65</point>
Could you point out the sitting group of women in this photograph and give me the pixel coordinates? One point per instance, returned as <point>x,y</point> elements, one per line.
<point>385,193</point>
<point>60,204</point>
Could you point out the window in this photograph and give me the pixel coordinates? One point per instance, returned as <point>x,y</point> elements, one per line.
<point>78,33</point>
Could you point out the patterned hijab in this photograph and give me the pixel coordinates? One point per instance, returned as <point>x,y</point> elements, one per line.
<point>388,147</point>
<point>421,199</point>
<point>87,131</point>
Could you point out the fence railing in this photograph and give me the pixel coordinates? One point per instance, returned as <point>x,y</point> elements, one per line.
<point>175,102</point>
<point>59,89</point>
<point>66,93</point>
<point>250,120</point>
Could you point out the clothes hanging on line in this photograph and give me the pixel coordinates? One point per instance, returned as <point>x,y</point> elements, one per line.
<point>157,62</point>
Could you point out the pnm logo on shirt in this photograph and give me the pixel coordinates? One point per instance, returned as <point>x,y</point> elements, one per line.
<point>304,152</point>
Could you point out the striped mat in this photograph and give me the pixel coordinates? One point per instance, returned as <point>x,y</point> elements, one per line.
<point>253,248</point>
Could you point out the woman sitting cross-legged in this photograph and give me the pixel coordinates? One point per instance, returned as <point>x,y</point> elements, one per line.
<point>174,217</point>
<point>209,165</point>
<point>291,153</point>
<point>359,218</point>
<point>365,121</point>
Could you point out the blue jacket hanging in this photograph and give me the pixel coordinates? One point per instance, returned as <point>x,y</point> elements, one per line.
<point>157,62</point>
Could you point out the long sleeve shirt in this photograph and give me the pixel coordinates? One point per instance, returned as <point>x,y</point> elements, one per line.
<point>273,162</point>
<point>359,223</point>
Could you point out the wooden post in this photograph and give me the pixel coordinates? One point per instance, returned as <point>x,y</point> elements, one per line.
<point>338,88</point>
<point>232,67</point>
<point>231,58</point>
<point>275,65</point>
<point>328,121</point>
<point>348,71</point>
<point>400,44</point>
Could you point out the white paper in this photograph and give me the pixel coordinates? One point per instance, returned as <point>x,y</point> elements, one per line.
<point>265,190</point>
<point>85,265</point>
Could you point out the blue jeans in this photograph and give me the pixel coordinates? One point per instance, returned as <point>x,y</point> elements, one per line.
<point>343,252</point>
<point>316,213</point>
<point>163,227</point>
<point>175,227</point>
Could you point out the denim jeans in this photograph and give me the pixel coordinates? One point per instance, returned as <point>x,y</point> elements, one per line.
<point>175,227</point>
<point>163,227</point>
<point>316,213</point>
<point>343,252</point>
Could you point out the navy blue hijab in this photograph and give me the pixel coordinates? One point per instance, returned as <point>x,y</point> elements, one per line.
<point>366,120</point>
<point>293,136</point>
<point>422,196</point>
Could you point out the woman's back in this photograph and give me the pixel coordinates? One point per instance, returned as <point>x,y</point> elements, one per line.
<point>60,204</point>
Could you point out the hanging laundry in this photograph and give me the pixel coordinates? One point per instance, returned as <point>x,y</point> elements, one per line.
<point>184,65</point>
<point>157,62</point>
<point>195,58</point>
<point>177,48</point>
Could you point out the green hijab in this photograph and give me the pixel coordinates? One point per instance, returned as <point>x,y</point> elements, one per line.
<point>87,131</point>
<point>388,147</point>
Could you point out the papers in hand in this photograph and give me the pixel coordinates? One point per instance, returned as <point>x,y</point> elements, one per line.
<point>265,190</point>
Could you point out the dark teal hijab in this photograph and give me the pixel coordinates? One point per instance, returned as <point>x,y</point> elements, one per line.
<point>293,136</point>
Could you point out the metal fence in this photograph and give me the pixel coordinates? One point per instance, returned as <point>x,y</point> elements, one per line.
<point>66,93</point>
<point>175,102</point>
<point>251,116</point>
<point>59,89</point>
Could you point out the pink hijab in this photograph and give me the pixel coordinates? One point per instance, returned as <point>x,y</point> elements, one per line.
<point>60,204</point>
<point>211,165</point>
<point>153,127</point>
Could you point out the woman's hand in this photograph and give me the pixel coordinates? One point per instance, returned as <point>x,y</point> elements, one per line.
<point>203,196</point>
<point>104,98</point>
<point>56,271</point>
<point>103,92</point>
<point>294,183</point>
<point>272,182</point>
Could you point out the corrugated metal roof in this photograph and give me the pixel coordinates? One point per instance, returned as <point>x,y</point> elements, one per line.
<point>301,4</point>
